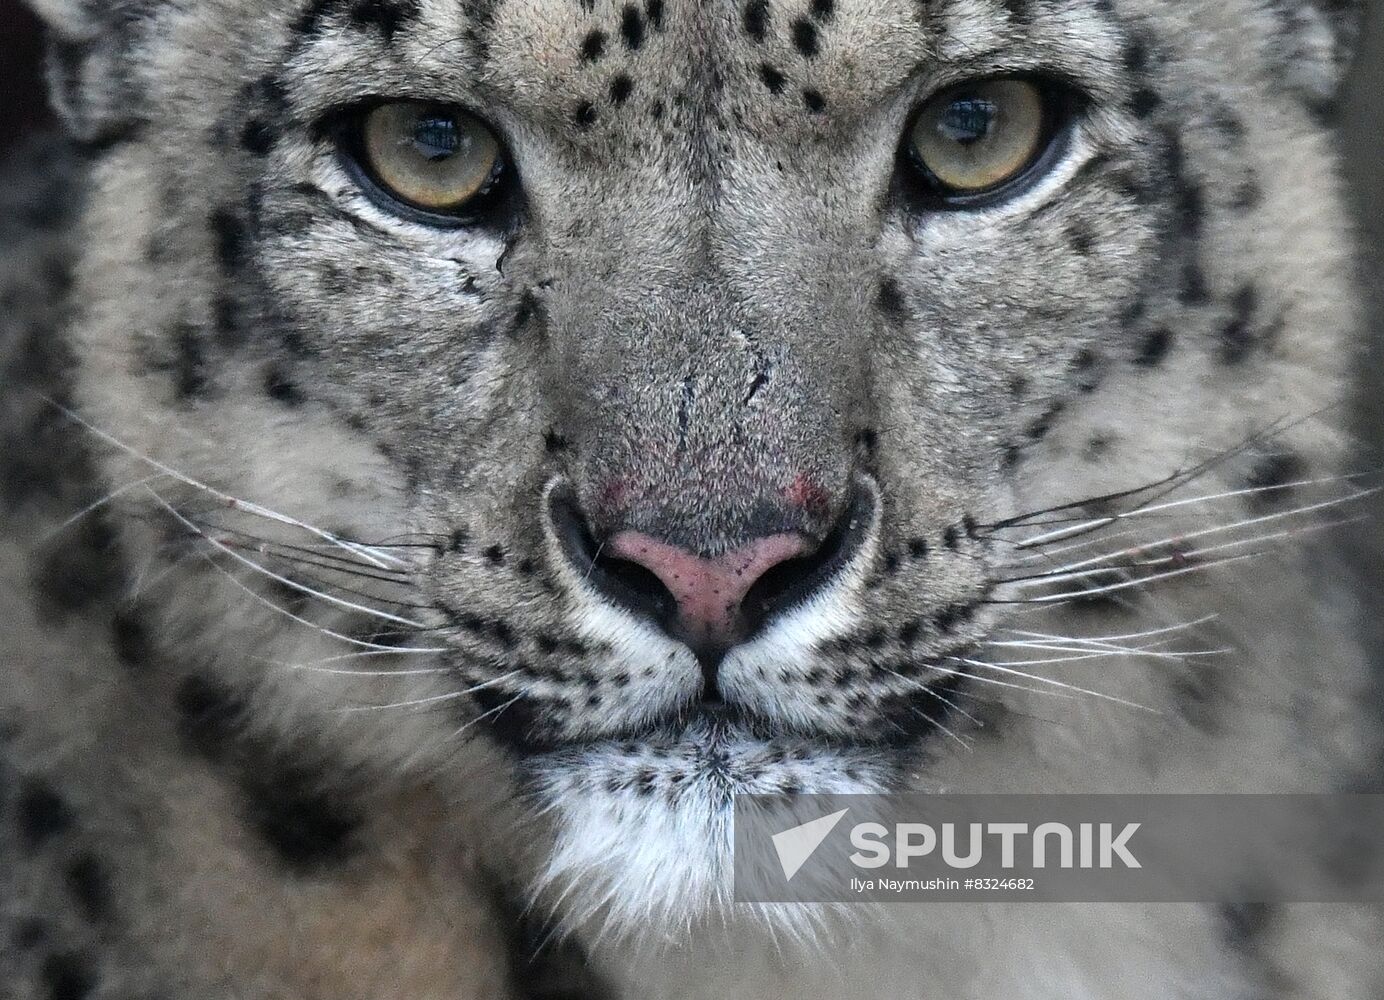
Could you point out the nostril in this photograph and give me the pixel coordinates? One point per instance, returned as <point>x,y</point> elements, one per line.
<point>622,580</point>
<point>708,591</point>
<point>795,580</point>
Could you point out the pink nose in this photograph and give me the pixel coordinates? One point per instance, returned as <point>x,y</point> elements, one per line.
<point>708,592</point>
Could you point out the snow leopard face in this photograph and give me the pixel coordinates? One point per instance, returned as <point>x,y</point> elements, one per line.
<point>679,396</point>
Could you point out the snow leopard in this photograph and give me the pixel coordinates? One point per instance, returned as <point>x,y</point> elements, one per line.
<point>454,449</point>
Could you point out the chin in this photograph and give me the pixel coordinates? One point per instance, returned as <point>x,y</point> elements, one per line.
<point>643,829</point>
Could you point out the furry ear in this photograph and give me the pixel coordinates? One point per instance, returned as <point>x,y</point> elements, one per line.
<point>89,45</point>
<point>1314,43</point>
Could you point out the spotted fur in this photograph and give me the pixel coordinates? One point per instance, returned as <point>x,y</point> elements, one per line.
<point>305,697</point>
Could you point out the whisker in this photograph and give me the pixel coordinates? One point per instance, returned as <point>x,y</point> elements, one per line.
<point>347,672</point>
<point>378,558</point>
<point>1127,584</point>
<point>323,630</point>
<point>964,743</point>
<point>485,715</point>
<point>286,581</point>
<point>1121,638</point>
<point>1056,683</point>
<point>951,672</point>
<point>1108,652</point>
<point>323,557</point>
<point>1160,488</point>
<point>1079,569</point>
<point>91,508</point>
<point>432,700</point>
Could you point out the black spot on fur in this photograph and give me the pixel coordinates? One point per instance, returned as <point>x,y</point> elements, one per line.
<point>756,19</point>
<point>42,815</point>
<point>1038,430</point>
<point>1237,337</point>
<point>278,387</point>
<point>814,101</point>
<point>773,79</point>
<point>1081,238</point>
<point>655,11</point>
<point>285,802</point>
<point>67,977</point>
<point>226,320</point>
<point>1195,290</point>
<point>229,237</point>
<point>1248,196</point>
<point>951,538</point>
<point>89,885</point>
<point>1272,474</point>
<point>918,548</point>
<point>258,137</point>
<point>130,639</point>
<point>209,715</point>
<point>30,934</point>
<point>495,555</point>
<point>386,16</point>
<point>299,821</point>
<point>1154,348</point>
<point>1098,447</point>
<point>81,572</point>
<point>823,10</point>
<point>805,37</point>
<point>891,302</point>
<point>1230,126</point>
<point>585,114</point>
<point>1136,56</point>
<point>632,27</point>
<point>1144,102</point>
<point>1020,10</point>
<point>620,89</point>
<point>593,46</point>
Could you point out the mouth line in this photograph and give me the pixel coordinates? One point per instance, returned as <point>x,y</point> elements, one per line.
<point>900,726</point>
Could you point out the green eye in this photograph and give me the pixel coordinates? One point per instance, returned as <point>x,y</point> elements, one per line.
<point>978,136</point>
<point>431,157</point>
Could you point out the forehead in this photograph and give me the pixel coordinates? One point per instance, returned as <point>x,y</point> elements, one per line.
<point>737,50</point>
<point>777,66</point>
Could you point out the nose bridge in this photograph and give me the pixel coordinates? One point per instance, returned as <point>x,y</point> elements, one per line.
<point>707,391</point>
<point>694,417</point>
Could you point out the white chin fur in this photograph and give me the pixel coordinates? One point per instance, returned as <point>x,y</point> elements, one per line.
<point>642,852</point>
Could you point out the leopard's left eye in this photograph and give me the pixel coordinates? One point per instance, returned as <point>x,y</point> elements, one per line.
<point>974,140</point>
<point>436,160</point>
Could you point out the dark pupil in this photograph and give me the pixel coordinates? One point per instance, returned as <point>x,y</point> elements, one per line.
<point>436,137</point>
<point>968,120</point>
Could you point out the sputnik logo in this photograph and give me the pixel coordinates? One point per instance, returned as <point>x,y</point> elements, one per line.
<point>796,845</point>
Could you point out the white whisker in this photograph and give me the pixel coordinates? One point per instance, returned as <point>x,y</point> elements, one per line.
<point>1055,683</point>
<point>293,584</point>
<point>432,700</point>
<point>380,559</point>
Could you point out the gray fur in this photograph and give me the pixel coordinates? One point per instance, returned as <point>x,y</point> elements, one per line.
<point>710,295</point>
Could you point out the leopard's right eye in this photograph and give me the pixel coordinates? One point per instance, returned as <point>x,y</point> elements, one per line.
<point>977,142</point>
<point>435,159</point>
